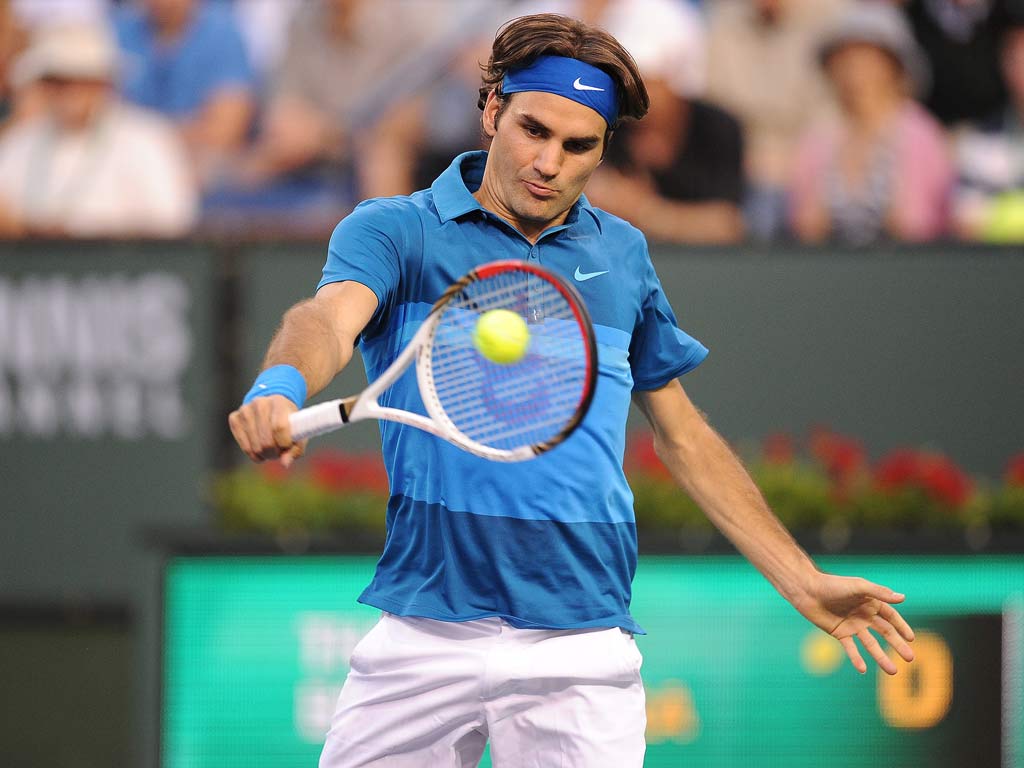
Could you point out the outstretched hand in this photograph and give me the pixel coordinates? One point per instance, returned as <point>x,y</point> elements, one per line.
<point>849,608</point>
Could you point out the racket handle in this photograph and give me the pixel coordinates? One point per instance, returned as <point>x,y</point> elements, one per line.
<point>318,419</point>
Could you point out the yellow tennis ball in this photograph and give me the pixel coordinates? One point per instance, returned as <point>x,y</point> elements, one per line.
<point>501,336</point>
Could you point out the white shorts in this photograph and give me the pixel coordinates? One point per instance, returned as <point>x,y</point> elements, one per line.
<point>429,694</point>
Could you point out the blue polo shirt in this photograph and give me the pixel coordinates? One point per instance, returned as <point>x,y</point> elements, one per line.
<point>178,78</point>
<point>547,543</point>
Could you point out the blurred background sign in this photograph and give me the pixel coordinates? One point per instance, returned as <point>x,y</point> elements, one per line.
<point>256,650</point>
<point>108,387</point>
<point>107,393</point>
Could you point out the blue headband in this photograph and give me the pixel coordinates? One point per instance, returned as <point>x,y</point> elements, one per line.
<point>571,78</point>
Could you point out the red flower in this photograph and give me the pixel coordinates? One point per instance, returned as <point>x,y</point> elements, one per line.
<point>339,472</point>
<point>945,481</point>
<point>641,457</point>
<point>897,470</point>
<point>932,473</point>
<point>273,471</point>
<point>778,448</point>
<point>1015,471</point>
<point>842,457</point>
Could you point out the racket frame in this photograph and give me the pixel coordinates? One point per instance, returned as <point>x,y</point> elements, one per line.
<point>334,414</point>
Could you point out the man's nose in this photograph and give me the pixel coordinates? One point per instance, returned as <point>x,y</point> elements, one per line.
<point>548,160</point>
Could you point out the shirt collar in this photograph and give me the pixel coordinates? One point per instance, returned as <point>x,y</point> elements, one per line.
<point>453,190</point>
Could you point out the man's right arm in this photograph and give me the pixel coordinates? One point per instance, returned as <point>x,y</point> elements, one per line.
<point>317,337</point>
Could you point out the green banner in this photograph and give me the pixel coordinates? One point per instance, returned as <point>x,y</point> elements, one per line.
<point>107,391</point>
<point>256,650</point>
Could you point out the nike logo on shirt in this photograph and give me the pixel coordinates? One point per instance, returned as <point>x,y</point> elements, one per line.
<point>581,87</point>
<point>581,276</point>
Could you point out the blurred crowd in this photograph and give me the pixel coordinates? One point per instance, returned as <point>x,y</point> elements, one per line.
<point>846,121</point>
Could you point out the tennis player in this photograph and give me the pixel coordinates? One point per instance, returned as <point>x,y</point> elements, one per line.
<point>506,588</point>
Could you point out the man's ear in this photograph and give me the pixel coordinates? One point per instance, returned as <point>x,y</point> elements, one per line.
<point>488,119</point>
<point>604,148</point>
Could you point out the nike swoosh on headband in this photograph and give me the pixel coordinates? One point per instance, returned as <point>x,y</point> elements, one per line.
<point>565,77</point>
<point>581,87</point>
<point>581,276</point>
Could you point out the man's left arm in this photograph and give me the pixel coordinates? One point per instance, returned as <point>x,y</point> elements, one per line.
<point>705,467</point>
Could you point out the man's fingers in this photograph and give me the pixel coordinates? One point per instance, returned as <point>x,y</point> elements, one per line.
<point>281,430</point>
<point>879,592</point>
<point>893,616</point>
<point>239,432</point>
<point>888,631</point>
<point>880,656</point>
<point>264,420</point>
<point>261,427</point>
<point>851,650</point>
<point>247,434</point>
<point>296,451</point>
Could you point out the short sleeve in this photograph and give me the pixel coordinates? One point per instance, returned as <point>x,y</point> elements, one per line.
<point>229,59</point>
<point>659,350</point>
<point>367,246</point>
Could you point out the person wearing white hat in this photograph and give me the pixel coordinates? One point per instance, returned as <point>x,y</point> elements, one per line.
<point>89,165</point>
<point>880,169</point>
<point>678,174</point>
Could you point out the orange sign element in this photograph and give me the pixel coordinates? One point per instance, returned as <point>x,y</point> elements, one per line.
<point>671,713</point>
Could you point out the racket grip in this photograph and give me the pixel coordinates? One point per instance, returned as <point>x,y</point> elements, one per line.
<point>317,420</point>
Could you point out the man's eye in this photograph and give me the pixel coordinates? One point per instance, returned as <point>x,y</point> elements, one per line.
<point>533,130</point>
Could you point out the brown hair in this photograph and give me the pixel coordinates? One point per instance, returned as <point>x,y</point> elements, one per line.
<point>521,41</point>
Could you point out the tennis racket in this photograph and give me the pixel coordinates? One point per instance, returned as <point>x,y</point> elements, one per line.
<point>503,412</point>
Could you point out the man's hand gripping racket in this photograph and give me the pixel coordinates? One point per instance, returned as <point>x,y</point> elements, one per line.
<point>500,411</point>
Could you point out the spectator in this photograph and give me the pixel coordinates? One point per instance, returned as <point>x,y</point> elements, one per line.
<point>89,166</point>
<point>672,32</point>
<point>418,138</point>
<point>881,168</point>
<point>961,40</point>
<point>264,26</point>
<point>678,174</point>
<point>36,13</point>
<point>761,67</point>
<point>12,42</point>
<point>989,201</point>
<point>186,59</point>
<point>346,65</point>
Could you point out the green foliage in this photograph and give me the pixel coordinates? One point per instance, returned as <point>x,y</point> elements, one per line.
<point>1006,507</point>
<point>248,500</point>
<point>830,485</point>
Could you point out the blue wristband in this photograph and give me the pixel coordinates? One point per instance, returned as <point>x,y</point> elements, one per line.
<point>279,380</point>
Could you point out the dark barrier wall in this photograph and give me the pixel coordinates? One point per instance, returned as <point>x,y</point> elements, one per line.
<point>107,389</point>
<point>107,392</point>
<point>896,347</point>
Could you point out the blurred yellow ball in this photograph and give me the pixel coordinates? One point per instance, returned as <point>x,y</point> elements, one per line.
<point>501,336</point>
<point>1005,219</point>
<point>820,653</point>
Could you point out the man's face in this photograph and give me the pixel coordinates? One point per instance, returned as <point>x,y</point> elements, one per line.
<point>170,12</point>
<point>543,150</point>
<point>1013,63</point>
<point>863,73</point>
<point>75,103</point>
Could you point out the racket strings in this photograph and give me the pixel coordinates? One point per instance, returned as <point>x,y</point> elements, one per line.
<point>523,403</point>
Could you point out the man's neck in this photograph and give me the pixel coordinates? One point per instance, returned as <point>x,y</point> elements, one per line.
<point>171,27</point>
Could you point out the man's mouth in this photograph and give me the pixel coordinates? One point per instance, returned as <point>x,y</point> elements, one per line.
<point>539,190</point>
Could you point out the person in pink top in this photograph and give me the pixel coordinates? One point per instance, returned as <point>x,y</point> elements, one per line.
<point>879,169</point>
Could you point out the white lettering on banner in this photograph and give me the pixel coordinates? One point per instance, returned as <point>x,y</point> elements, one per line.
<point>94,356</point>
<point>326,641</point>
<point>314,707</point>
